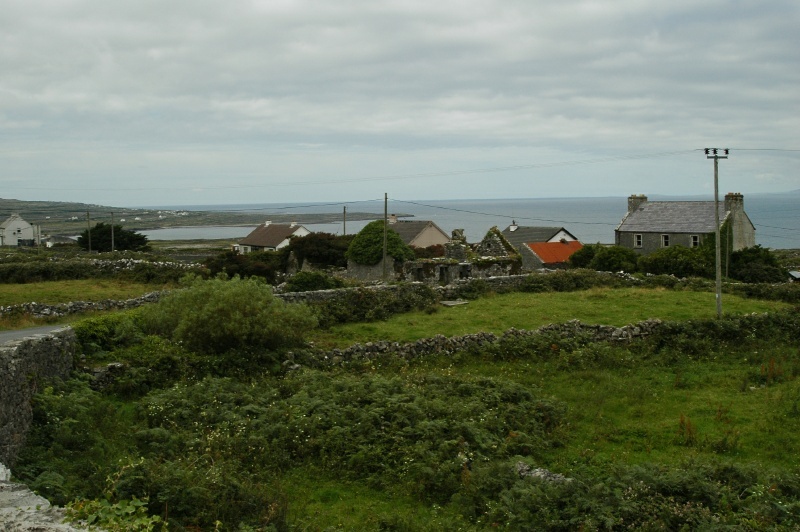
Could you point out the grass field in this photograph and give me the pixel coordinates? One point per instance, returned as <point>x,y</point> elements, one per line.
<point>498,313</point>
<point>51,293</point>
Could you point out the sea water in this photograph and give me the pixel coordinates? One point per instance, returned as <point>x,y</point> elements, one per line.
<point>592,220</point>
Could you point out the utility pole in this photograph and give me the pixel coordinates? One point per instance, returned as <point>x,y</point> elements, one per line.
<point>112,232</point>
<point>89,231</point>
<point>344,220</point>
<point>714,153</point>
<point>385,230</point>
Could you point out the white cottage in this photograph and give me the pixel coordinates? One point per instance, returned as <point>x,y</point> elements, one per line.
<point>17,232</point>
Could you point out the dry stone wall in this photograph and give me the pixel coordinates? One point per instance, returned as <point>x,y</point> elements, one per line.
<point>440,344</point>
<point>25,366</point>
<point>40,310</point>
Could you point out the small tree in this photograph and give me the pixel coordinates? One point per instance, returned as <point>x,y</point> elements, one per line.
<point>124,239</point>
<point>367,246</point>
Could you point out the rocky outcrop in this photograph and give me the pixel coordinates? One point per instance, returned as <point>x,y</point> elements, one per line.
<point>21,510</point>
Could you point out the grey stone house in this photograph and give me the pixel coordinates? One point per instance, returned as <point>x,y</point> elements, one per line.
<point>651,225</point>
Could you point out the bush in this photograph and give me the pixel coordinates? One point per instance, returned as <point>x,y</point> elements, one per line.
<point>583,257</point>
<point>367,246</point>
<point>268,265</point>
<point>678,260</point>
<point>309,281</point>
<point>219,315</point>
<point>756,265</point>
<point>323,250</point>
<point>614,259</point>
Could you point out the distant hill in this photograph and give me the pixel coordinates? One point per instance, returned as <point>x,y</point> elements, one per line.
<point>66,218</point>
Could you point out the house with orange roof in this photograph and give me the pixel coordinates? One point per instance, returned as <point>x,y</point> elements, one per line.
<point>542,247</point>
<point>551,254</point>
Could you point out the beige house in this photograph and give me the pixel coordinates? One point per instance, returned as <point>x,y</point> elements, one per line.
<point>418,233</point>
<point>17,232</point>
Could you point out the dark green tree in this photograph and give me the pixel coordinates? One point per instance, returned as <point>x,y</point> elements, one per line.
<point>583,257</point>
<point>614,259</point>
<point>266,264</point>
<point>367,246</point>
<point>756,265</point>
<point>124,239</point>
<point>321,249</point>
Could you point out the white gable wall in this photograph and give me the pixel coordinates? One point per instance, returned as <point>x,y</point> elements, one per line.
<point>562,235</point>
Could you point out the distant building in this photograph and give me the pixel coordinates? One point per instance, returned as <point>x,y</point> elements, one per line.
<point>652,225</point>
<point>270,237</point>
<point>418,233</point>
<point>17,232</point>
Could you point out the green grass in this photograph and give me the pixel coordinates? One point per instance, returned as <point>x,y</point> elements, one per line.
<point>54,292</point>
<point>498,313</point>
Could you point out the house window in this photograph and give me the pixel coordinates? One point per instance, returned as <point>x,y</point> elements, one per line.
<point>695,240</point>
<point>664,241</point>
<point>637,240</point>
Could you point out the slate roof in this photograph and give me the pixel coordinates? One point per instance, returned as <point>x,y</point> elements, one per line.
<point>14,218</point>
<point>523,234</point>
<point>554,252</point>
<point>269,235</point>
<point>673,217</point>
<point>410,229</point>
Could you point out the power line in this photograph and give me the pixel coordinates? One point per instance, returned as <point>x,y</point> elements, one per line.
<point>495,215</point>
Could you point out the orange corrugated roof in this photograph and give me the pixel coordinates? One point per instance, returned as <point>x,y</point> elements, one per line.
<point>554,252</point>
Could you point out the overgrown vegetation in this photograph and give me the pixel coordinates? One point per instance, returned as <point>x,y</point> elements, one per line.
<point>367,246</point>
<point>207,429</point>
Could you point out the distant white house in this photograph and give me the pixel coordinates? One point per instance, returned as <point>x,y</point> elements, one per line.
<point>17,232</point>
<point>270,237</point>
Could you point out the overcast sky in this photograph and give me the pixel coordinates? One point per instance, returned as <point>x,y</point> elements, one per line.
<point>132,103</point>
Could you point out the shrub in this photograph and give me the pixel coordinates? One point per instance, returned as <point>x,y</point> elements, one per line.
<point>756,265</point>
<point>219,315</point>
<point>614,259</point>
<point>678,260</point>
<point>309,281</point>
<point>323,250</point>
<point>583,257</point>
<point>266,264</point>
<point>367,246</point>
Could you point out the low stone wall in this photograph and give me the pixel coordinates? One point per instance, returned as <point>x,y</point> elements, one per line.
<point>443,345</point>
<point>40,310</point>
<point>25,366</point>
